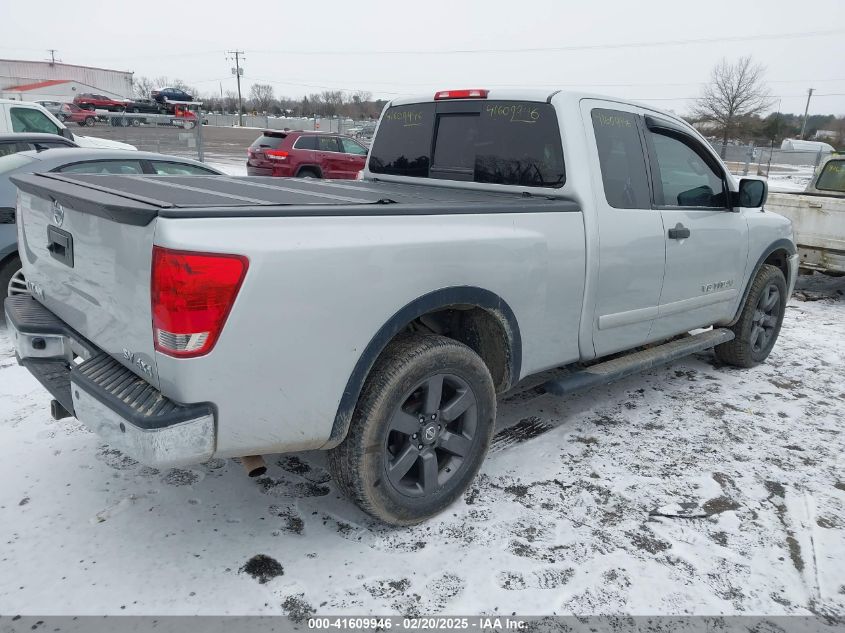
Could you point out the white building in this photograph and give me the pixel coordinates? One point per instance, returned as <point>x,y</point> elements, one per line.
<point>47,81</point>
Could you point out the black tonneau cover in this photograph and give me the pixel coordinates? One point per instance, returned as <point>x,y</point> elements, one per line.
<point>136,200</point>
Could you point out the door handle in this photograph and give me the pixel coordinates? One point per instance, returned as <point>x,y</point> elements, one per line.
<point>679,232</point>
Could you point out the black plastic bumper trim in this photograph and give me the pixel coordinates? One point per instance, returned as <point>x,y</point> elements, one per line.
<point>130,396</point>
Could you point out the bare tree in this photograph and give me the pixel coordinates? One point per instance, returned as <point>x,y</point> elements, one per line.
<point>333,101</point>
<point>230,102</point>
<point>735,91</point>
<point>142,87</point>
<point>261,96</point>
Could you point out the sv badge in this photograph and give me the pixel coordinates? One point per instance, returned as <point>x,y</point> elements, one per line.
<point>136,360</point>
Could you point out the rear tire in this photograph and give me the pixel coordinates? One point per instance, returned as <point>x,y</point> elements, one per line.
<point>419,432</point>
<point>12,281</point>
<point>307,173</point>
<point>759,322</point>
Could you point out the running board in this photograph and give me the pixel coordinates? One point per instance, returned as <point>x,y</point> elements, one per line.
<point>624,366</point>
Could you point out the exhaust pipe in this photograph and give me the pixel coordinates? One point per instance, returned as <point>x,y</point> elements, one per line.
<point>254,465</point>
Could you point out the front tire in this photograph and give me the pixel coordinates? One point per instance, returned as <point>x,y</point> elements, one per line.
<point>419,432</point>
<point>759,323</point>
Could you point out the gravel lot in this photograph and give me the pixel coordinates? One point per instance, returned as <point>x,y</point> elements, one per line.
<point>690,489</point>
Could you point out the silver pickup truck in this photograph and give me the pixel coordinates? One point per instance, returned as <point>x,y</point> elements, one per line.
<point>494,235</point>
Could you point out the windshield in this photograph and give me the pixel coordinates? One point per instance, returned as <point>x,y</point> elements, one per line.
<point>500,142</point>
<point>13,161</point>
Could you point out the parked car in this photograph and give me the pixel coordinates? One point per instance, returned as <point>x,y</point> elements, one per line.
<point>14,143</point>
<point>163,95</point>
<point>53,107</point>
<point>91,101</point>
<point>818,217</point>
<point>305,154</point>
<point>69,161</point>
<point>23,116</point>
<point>494,236</point>
<point>72,113</point>
<point>145,106</point>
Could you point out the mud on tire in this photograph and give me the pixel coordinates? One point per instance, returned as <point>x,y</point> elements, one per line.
<point>420,430</point>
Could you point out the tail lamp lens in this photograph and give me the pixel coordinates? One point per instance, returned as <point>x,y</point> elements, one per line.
<point>192,294</point>
<point>276,154</point>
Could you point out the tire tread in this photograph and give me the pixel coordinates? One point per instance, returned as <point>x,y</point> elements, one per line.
<point>345,460</point>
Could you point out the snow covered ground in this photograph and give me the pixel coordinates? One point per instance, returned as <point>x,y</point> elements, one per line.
<point>690,489</point>
<point>790,177</point>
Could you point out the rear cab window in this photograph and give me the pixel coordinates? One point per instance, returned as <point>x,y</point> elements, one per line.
<point>103,167</point>
<point>498,142</point>
<point>621,158</point>
<point>832,177</point>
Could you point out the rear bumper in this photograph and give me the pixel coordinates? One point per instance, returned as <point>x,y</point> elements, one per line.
<point>107,397</point>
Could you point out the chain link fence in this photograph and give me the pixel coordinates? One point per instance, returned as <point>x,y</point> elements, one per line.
<point>785,170</point>
<point>760,160</point>
<point>162,133</point>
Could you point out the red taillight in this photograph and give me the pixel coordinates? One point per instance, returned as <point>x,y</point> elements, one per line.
<point>192,294</point>
<point>275,154</point>
<point>476,93</point>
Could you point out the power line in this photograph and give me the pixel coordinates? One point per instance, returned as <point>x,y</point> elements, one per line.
<point>554,49</point>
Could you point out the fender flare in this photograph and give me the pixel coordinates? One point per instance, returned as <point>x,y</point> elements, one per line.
<point>436,300</point>
<point>781,244</point>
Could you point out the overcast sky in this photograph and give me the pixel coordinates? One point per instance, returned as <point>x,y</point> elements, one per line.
<point>615,47</point>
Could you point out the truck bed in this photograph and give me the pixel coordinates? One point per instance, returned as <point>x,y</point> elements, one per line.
<point>819,225</point>
<point>137,200</point>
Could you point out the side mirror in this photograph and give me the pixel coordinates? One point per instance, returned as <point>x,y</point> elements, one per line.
<point>66,133</point>
<point>752,193</point>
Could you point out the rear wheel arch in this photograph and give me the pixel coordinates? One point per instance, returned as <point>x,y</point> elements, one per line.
<point>480,319</point>
<point>309,168</point>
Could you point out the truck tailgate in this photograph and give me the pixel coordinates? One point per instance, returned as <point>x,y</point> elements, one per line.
<point>92,272</point>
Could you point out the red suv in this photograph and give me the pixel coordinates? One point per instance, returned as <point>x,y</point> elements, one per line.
<point>90,101</point>
<point>301,154</point>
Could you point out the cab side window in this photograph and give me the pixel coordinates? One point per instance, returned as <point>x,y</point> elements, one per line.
<point>622,159</point>
<point>327,144</point>
<point>31,120</point>
<point>684,178</point>
<point>351,147</point>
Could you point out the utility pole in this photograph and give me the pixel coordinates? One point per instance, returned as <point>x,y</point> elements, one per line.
<point>238,71</point>
<point>806,110</point>
<point>52,52</point>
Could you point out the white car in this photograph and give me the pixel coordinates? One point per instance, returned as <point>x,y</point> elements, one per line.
<point>23,116</point>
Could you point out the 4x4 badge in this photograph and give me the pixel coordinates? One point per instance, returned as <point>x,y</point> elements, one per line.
<point>58,213</point>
